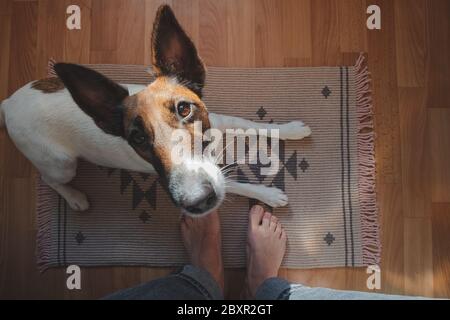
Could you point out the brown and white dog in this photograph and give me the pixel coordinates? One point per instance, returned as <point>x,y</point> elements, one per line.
<point>82,114</point>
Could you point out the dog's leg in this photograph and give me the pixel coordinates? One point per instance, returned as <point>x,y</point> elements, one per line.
<point>76,200</point>
<point>58,177</point>
<point>271,196</point>
<point>294,130</point>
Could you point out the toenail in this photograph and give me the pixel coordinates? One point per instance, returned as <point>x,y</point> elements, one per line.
<point>257,207</point>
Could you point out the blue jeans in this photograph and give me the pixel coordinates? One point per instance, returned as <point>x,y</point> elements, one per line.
<point>192,283</point>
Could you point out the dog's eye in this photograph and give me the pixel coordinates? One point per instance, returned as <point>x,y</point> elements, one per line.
<point>137,137</point>
<point>184,109</point>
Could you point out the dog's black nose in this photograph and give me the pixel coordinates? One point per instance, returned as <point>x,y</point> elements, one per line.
<point>207,202</point>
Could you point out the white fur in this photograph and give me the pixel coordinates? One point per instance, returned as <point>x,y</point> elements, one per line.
<point>187,182</point>
<point>274,197</point>
<point>294,130</point>
<point>48,127</point>
<point>53,132</point>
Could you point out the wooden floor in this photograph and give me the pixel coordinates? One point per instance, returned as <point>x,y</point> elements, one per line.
<point>409,61</point>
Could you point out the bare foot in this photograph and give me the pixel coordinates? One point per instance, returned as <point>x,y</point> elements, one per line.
<point>201,237</point>
<point>266,246</point>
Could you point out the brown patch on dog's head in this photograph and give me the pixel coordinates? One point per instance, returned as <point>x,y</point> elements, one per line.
<point>48,85</point>
<point>153,115</point>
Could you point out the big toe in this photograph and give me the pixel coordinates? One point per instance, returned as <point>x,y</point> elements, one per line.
<point>256,215</point>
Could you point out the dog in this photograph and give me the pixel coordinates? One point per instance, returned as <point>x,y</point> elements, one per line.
<point>83,114</point>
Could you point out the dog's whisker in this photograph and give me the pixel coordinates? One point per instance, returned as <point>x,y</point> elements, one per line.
<point>230,177</point>
<point>234,181</point>
<point>228,172</point>
<point>229,165</point>
<point>228,168</point>
<point>224,149</point>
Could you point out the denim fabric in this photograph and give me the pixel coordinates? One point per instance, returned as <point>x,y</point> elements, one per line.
<point>192,283</point>
<point>280,289</point>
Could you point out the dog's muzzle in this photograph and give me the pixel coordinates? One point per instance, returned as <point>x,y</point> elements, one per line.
<point>197,187</point>
<point>204,204</point>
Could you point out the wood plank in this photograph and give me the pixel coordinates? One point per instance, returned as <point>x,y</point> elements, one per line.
<point>4,235</point>
<point>77,42</point>
<point>213,32</point>
<point>130,35</point>
<point>22,69</point>
<point>418,257</point>
<point>20,276</point>
<point>104,29</point>
<point>325,33</point>
<point>103,56</point>
<point>97,283</point>
<point>392,230</point>
<point>5,37</point>
<point>6,7</point>
<point>438,57</point>
<point>440,220</point>
<point>356,279</point>
<point>439,154</point>
<point>51,30</point>
<point>352,26</point>
<point>126,277</point>
<point>410,29</point>
<point>269,34</point>
<point>241,26</point>
<point>23,45</point>
<point>296,37</point>
<point>382,64</point>
<point>415,154</point>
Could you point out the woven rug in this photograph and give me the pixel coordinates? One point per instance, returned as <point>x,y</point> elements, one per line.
<point>331,219</point>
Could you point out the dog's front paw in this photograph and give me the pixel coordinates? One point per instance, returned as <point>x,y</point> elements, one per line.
<point>77,201</point>
<point>294,130</point>
<point>275,197</point>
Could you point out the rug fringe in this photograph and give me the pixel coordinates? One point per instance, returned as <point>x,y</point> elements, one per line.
<point>50,68</point>
<point>43,213</point>
<point>366,159</point>
<point>44,209</point>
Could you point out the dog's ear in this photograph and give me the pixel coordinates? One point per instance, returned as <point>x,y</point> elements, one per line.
<point>174,53</point>
<point>98,96</point>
